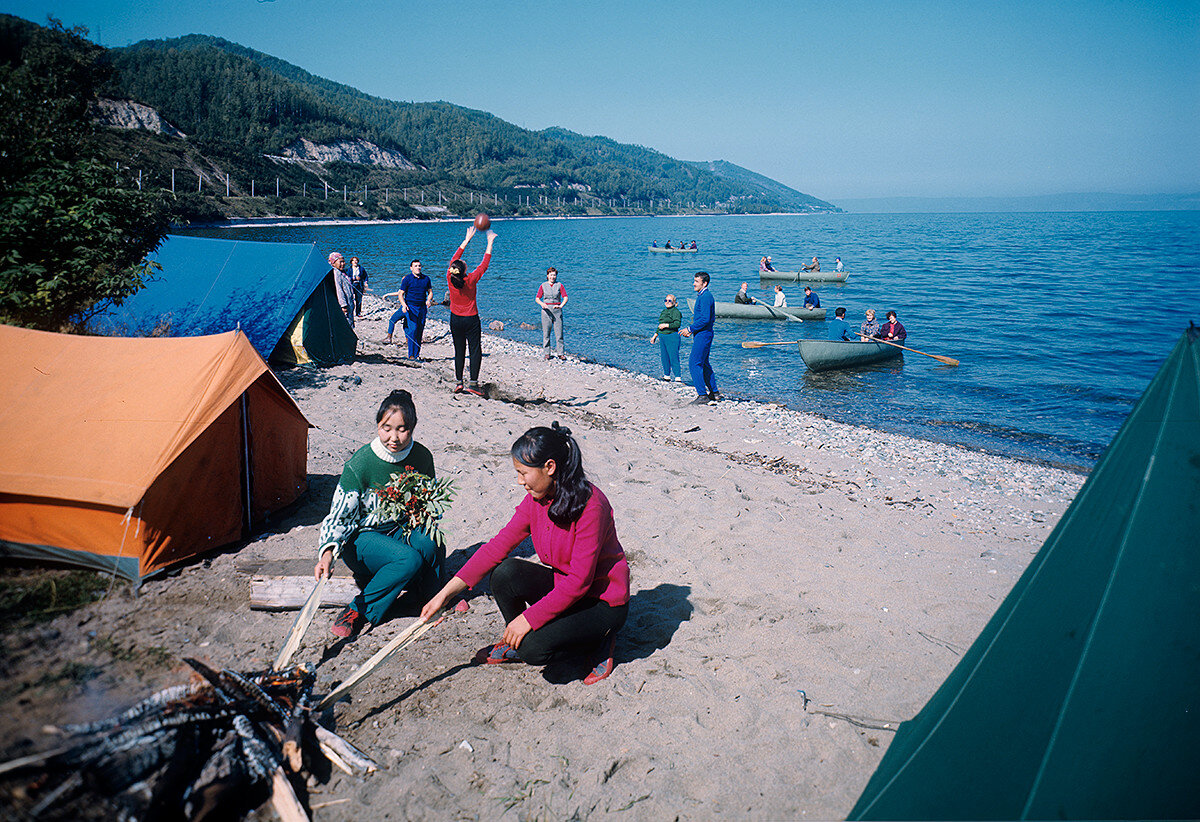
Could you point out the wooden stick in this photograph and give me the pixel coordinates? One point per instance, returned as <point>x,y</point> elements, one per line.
<point>303,619</point>
<point>939,358</point>
<point>753,344</point>
<point>350,755</point>
<point>284,799</point>
<point>403,640</point>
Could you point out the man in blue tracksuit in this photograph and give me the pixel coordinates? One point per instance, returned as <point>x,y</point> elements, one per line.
<point>701,332</point>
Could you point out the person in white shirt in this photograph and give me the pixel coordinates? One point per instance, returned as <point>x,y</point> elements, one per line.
<point>780,298</point>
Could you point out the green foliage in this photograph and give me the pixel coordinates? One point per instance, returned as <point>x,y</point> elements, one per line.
<point>73,233</point>
<point>38,594</point>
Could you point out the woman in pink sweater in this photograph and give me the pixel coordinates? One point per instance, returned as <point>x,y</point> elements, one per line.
<point>578,599</point>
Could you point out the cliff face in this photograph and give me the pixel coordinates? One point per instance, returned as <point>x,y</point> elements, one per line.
<point>346,151</point>
<point>130,115</point>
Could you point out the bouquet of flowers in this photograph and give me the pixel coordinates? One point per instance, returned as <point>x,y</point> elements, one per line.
<point>414,500</point>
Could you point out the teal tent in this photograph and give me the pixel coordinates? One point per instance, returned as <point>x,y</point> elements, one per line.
<point>281,295</point>
<point>1081,698</point>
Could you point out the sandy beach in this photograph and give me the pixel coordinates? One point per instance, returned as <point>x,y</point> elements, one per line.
<point>800,587</point>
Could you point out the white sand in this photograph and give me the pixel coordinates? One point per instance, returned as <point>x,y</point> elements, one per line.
<point>775,556</point>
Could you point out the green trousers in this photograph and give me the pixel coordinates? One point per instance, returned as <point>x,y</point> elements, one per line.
<point>383,566</point>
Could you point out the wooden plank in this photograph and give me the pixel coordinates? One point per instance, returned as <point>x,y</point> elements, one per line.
<point>289,593</point>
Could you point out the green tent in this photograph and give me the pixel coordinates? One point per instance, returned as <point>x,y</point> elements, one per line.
<point>1081,698</point>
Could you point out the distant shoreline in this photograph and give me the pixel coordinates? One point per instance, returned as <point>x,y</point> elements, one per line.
<point>275,222</point>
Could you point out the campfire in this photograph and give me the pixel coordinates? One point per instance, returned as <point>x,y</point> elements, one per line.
<point>215,748</point>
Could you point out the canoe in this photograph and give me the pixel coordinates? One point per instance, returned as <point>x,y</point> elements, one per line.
<point>826,355</point>
<point>805,276</point>
<point>761,311</point>
<point>662,250</point>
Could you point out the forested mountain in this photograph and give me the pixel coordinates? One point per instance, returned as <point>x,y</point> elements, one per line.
<point>242,111</point>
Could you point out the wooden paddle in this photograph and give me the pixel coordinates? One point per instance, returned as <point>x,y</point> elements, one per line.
<point>938,357</point>
<point>753,344</point>
<point>773,311</point>
<point>303,619</point>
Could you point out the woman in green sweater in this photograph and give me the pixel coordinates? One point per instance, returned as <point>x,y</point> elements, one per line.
<point>667,338</point>
<point>383,560</point>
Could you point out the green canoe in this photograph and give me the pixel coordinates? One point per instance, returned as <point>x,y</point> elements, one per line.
<point>804,276</point>
<point>826,355</point>
<point>761,311</point>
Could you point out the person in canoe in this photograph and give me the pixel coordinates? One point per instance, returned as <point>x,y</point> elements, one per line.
<point>839,329</point>
<point>577,598</point>
<point>892,330</point>
<point>815,265</point>
<point>837,264</point>
<point>811,300</point>
<point>668,245</point>
<point>780,297</point>
<point>765,264</point>
<point>742,298</point>
<point>869,328</point>
<point>654,243</point>
<point>693,246</point>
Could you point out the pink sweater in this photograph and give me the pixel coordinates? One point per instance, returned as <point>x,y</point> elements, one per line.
<point>587,558</point>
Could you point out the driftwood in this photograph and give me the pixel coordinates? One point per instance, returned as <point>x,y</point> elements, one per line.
<point>286,593</point>
<point>301,624</point>
<point>403,640</point>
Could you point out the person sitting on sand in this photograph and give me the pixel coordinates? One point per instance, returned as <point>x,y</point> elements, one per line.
<point>869,328</point>
<point>815,265</point>
<point>742,298</point>
<point>892,329</point>
<point>780,297</point>
<point>667,337</point>
<point>578,599</point>
<point>839,329</point>
<point>811,300</point>
<point>384,561</point>
<point>464,312</point>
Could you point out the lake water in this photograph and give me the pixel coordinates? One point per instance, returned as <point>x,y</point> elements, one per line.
<point>1059,319</point>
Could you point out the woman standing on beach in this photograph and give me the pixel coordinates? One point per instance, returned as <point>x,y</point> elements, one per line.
<point>667,337</point>
<point>384,561</point>
<point>464,312</point>
<point>579,598</point>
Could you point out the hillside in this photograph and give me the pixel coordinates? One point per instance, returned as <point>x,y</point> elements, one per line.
<point>240,107</point>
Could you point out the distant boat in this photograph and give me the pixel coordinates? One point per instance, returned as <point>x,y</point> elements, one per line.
<point>662,250</point>
<point>761,311</point>
<point>826,355</point>
<point>805,276</point>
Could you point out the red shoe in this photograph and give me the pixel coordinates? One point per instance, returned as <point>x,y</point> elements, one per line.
<point>606,665</point>
<point>348,624</point>
<point>476,389</point>
<point>498,654</point>
<point>458,388</point>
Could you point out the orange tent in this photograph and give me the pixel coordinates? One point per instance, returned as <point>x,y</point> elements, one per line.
<point>135,454</point>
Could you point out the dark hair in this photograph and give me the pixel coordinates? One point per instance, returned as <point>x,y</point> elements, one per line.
<point>414,261</point>
<point>572,490</point>
<point>702,275</point>
<point>402,401</point>
<point>551,268</point>
<point>891,314</point>
<point>839,312</point>
<point>458,270</point>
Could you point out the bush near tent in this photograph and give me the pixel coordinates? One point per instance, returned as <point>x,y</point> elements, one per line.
<point>280,294</point>
<point>132,455</point>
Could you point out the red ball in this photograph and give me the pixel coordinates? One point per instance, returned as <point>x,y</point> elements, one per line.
<point>482,222</point>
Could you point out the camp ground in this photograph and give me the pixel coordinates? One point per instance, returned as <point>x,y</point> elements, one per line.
<point>280,294</point>
<point>131,455</point>
<point>1080,699</point>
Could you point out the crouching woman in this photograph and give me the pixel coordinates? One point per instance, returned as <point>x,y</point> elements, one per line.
<point>574,603</point>
<point>383,558</point>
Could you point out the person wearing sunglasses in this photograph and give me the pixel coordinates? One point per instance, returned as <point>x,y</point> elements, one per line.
<point>667,337</point>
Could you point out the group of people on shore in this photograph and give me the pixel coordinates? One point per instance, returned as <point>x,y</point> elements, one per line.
<point>567,609</point>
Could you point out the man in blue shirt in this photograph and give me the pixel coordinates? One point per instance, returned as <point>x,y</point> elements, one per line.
<point>701,332</point>
<point>416,295</point>
<point>811,300</point>
<point>839,329</point>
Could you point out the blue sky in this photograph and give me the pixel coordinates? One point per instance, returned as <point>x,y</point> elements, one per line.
<point>838,99</point>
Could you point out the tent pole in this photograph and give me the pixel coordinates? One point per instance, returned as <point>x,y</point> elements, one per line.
<point>246,466</point>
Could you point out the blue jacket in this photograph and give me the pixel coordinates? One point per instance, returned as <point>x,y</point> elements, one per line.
<point>839,329</point>
<point>704,313</point>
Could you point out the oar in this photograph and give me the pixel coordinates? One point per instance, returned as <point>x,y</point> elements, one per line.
<point>938,357</point>
<point>753,344</point>
<point>786,315</point>
<point>301,625</point>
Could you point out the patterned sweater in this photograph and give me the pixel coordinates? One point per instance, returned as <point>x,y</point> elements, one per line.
<point>355,502</point>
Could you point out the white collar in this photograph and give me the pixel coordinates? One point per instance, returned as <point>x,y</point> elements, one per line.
<point>378,448</point>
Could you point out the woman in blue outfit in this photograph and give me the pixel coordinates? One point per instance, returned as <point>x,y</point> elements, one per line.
<point>383,560</point>
<point>667,337</point>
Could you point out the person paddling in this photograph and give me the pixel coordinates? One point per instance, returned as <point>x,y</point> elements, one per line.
<point>578,598</point>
